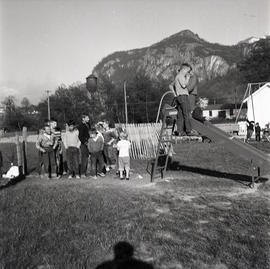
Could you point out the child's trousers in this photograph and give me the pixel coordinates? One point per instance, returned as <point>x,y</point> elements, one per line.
<point>97,162</point>
<point>73,160</point>
<point>48,158</point>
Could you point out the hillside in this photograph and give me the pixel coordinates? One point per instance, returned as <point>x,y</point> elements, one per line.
<point>160,60</point>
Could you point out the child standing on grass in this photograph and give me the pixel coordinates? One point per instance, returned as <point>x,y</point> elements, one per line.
<point>46,144</point>
<point>72,144</point>
<point>1,164</point>
<point>109,152</point>
<point>123,147</point>
<point>95,147</point>
<point>56,131</point>
<point>257,132</point>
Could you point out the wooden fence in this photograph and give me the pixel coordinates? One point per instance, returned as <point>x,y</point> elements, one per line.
<point>144,139</point>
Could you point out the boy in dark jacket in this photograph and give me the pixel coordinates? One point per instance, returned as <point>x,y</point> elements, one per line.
<point>95,147</point>
<point>258,132</point>
<point>84,136</point>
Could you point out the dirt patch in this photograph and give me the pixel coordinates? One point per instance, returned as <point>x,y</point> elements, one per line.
<point>243,191</point>
<point>163,210</point>
<point>203,221</point>
<point>221,205</point>
<point>165,235</point>
<point>199,206</point>
<point>172,265</point>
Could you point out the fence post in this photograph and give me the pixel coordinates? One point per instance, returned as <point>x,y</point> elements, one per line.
<point>19,155</point>
<point>24,150</point>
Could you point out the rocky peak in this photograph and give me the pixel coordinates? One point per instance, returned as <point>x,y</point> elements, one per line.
<point>187,34</point>
<point>161,59</point>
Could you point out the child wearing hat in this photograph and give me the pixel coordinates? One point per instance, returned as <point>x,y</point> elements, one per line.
<point>123,146</point>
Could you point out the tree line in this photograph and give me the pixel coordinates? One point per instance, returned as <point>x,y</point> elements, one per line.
<point>143,95</point>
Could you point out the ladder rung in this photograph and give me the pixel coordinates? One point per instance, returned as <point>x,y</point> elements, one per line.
<point>160,167</point>
<point>162,155</point>
<point>165,141</point>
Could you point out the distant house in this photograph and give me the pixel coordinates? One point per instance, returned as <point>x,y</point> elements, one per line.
<point>2,110</point>
<point>223,111</point>
<point>258,105</point>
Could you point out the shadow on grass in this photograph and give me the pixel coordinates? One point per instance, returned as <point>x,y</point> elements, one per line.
<point>123,259</point>
<point>241,178</point>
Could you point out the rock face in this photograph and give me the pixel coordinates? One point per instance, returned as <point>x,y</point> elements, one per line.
<point>161,60</point>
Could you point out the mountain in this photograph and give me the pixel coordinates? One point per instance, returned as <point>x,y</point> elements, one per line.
<point>160,60</point>
<point>251,40</point>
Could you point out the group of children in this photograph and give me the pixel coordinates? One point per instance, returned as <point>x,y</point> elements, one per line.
<point>251,126</point>
<point>103,146</point>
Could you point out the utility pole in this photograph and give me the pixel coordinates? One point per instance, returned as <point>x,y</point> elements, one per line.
<point>146,108</point>
<point>235,101</point>
<point>125,96</point>
<point>235,98</point>
<point>49,109</point>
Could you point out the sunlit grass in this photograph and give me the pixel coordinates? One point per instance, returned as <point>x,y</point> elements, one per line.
<point>193,221</point>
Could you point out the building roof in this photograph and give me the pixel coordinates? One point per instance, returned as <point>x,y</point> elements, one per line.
<point>224,106</point>
<point>266,85</point>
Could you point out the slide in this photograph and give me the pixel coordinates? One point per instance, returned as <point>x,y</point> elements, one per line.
<point>236,146</point>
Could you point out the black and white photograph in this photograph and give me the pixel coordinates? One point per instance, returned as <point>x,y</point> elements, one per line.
<point>134,134</point>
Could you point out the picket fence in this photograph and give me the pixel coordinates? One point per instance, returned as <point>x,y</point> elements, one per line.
<point>144,139</point>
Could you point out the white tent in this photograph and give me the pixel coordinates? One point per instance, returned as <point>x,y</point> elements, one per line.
<point>258,105</point>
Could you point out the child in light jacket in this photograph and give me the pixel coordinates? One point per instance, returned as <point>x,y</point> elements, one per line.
<point>123,147</point>
<point>72,144</point>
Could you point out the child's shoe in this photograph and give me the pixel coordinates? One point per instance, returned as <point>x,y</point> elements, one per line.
<point>54,176</point>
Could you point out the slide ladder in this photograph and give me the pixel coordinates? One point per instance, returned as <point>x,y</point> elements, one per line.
<point>165,141</point>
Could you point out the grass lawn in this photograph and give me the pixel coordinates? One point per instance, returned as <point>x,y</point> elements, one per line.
<point>202,216</point>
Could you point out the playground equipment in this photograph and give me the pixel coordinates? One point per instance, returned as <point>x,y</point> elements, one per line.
<point>165,141</point>
<point>257,158</point>
<point>250,90</point>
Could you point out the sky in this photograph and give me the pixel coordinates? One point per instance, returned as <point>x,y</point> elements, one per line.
<point>46,43</point>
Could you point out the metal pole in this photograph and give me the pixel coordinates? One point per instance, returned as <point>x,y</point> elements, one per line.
<point>24,150</point>
<point>125,96</point>
<point>49,110</point>
<point>235,102</point>
<point>146,108</point>
<point>19,154</point>
<point>239,111</point>
<point>160,103</point>
<point>251,96</point>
